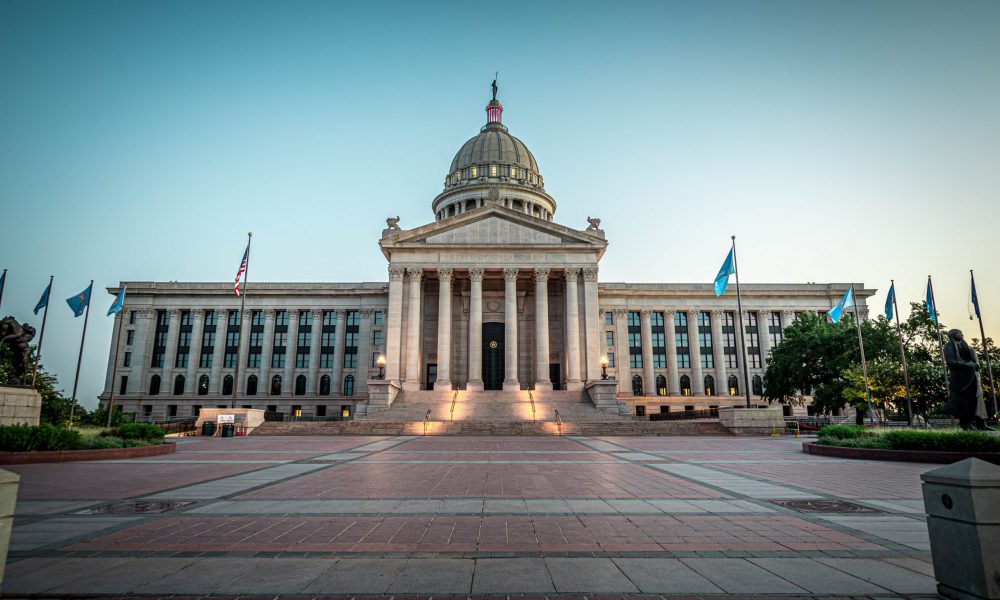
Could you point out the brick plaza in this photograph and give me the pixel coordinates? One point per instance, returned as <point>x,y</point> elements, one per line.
<point>457,516</point>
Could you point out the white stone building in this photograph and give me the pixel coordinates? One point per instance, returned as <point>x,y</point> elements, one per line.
<point>523,310</point>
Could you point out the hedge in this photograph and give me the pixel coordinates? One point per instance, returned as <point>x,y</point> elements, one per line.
<point>47,437</point>
<point>946,440</point>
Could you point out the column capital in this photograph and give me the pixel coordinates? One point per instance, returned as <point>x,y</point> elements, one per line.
<point>645,312</point>
<point>541,274</point>
<point>195,312</point>
<point>669,312</point>
<point>510,274</point>
<point>476,273</point>
<point>269,314</point>
<point>396,273</point>
<point>590,274</point>
<point>317,312</point>
<point>445,274</point>
<point>571,273</point>
<point>414,273</point>
<point>366,312</point>
<point>620,313</point>
<point>717,313</point>
<point>173,313</point>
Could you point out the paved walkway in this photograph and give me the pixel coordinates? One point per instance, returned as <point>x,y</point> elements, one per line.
<point>454,516</point>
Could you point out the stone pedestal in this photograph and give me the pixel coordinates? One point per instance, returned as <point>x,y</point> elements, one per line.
<point>8,496</point>
<point>381,394</point>
<point>752,421</point>
<point>962,501</point>
<point>19,405</point>
<point>251,418</point>
<point>604,394</point>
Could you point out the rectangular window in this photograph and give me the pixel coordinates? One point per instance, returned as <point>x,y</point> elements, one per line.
<point>305,338</point>
<point>160,339</point>
<point>182,361</point>
<point>351,339</point>
<point>130,337</point>
<point>327,340</point>
<point>127,362</point>
<point>611,359</point>
<point>234,318</point>
<point>682,340</point>
<point>302,361</point>
<point>131,317</point>
<point>609,337</point>
<point>774,330</point>
<point>705,340</point>
<point>375,356</point>
<point>658,339</point>
<point>205,362</point>
<point>351,360</point>
<point>634,340</point>
<point>210,318</point>
<point>377,337</point>
<point>123,388</point>
<point>753,340</point>
<point>281,318</point>
<point>305,318</point>
<point>609,318</point>
<point>232,338</point>
<point>379,317</point>
<point>253,360</point>
<point>329,319</point>
<point>186,319</point>
<point>729,340</point>
<point>278,360</point>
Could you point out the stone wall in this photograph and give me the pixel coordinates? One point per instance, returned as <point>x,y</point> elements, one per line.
<point>19,406</point>
<point>752,421</point>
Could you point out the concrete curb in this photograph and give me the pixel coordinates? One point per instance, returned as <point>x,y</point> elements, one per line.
<point>922,456</point>
<point>24,458</point>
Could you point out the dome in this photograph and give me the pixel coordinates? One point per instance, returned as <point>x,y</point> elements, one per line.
<point>494,146</point>
<point>494,167</point>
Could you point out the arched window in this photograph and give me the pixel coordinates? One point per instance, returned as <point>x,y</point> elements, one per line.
<point>252,385</point>
<point>203,385</point>
<point>661,385</point>
<point>324,385</point>
<point>276,385</point>
<point>300,385</point>
<point>154,385</point>
<point>227,385</point>
<point>685,385</point>
<point>636,385</point>
<point>734,385</point>
<point>710,386</point>
<point>349,385</point>
<point>178,385</point>
<point>758,385</point>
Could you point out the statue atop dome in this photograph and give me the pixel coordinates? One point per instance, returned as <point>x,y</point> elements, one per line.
<point>495,87</point>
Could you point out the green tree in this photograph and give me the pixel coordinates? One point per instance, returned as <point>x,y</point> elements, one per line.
<point>55,405</point>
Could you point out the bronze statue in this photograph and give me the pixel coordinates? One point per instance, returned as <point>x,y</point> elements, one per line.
<point>595,224</point>
<point>17,336</point>
<point>392,223</point>
<point>965,392</point>
<point>494,89</point>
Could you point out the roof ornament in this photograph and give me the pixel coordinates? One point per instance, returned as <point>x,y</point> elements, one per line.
<point>595,224</point>
<point>495,75</point>
<point>392,224</point>
<point>493,195</point>
<point>494,109</point>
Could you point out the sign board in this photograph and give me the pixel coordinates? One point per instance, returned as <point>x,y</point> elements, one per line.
<point>227,418</point>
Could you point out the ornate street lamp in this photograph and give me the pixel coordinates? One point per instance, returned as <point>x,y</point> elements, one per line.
<point>604,367</point>
<point>380,361</point>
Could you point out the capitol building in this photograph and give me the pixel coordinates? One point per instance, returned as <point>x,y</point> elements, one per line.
<point>491,297</point>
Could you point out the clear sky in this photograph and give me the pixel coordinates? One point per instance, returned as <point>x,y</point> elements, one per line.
<point>840,141</point>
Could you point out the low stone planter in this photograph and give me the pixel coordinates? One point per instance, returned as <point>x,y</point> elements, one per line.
<point>922,456</point>
<point>24,458</point>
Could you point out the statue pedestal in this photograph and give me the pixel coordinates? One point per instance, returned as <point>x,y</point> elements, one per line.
<point>19,405</point>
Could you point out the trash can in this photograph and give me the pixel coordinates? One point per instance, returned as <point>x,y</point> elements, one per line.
<point>208,428</point>
<point>227,430</point>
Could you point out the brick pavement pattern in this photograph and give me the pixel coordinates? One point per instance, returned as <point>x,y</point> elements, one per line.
<point>420,517</point>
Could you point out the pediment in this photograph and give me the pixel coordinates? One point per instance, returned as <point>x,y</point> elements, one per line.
<point>493,226</point>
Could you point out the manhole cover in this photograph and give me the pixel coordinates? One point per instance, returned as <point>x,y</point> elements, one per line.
<point>138,507</point>
<point>824,506</point>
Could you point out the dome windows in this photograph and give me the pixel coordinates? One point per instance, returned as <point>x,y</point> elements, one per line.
<point>493,170</point>
<point>513,171</point>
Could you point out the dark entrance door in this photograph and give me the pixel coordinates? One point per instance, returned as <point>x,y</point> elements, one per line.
<point>554,376</point>
<point>432,375</point>
<point>493,356</point>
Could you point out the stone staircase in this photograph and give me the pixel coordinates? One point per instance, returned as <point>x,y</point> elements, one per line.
<point>494,407</point>
<point>514,428</point>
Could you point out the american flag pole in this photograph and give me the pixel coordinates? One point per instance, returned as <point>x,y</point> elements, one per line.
<point>243,270</point>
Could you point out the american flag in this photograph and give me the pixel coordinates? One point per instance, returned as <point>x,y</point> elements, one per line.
<point>242,269</point>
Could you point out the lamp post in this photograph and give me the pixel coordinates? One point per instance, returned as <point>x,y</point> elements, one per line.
<point>380,361</point>
<point>604,367</point>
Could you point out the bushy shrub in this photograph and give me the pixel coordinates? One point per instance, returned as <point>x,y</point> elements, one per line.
<point>26,438</point>
<point>872,441</point>
<point>139,443</point>
<point>98,443</point>
<point>140,431</point>
<point>843,432</point>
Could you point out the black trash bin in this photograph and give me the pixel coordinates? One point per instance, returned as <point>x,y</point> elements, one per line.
<point>228,430</point>
<point>208,428</point>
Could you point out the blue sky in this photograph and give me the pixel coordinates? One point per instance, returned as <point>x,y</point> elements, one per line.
<point>839,141</point>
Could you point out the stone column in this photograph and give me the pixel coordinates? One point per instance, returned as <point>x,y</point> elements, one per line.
<point>412,381</point>
<point>194,354</point>
<point>291,349</point>
<point>510,381</point>
<point>763,333</point>
<point>542,379</point>
<point>572,331</point>
<point>622,359</point>
<point>219,353</point>
<point>363,371</point>
<point>593,324</point>
<point>787,318</point>
<point>312,387</point>
<point>340,332</point>
<point>266,351</point>
<point>719,354</point>
<point>140,357</point>
<point>444,330</point>
<point>475,329</point>
<point>240,384</point>
<point>170,356</point>
<point>673,379</point>
<point>117,324</point>
<point>393,326</point>
<point>694,343</point>
<point>648,381</point>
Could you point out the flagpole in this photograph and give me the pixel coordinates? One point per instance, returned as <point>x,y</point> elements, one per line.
<point>243,303</point>
<point>743,339</point>
<point>79,358</point>
<point>902,356</point>
<point>3,284</point>
<point>114,370</point>
<point>937,326</point>
<point>41,335</point>
<point>864,363</point>
<point>986,352</point>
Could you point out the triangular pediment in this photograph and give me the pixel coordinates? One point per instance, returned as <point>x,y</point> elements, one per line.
<point>493,226</point>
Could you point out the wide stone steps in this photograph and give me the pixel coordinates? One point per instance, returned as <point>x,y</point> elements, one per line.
<point>371,427</point>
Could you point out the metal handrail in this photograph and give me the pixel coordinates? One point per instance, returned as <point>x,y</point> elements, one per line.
<point>558,422</point>
<point>531,398</point>
<point>454,399</point>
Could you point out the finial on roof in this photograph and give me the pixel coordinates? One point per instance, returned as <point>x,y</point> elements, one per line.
<point>494,109</point>
<point>495,75</point>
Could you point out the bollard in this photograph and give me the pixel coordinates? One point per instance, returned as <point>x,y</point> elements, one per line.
<point>962,501</point>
